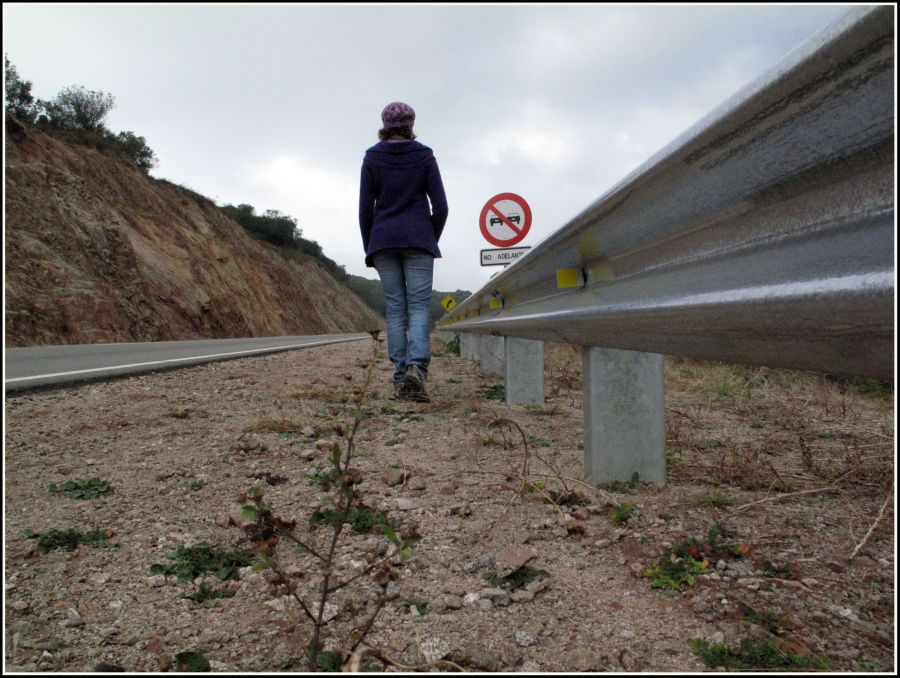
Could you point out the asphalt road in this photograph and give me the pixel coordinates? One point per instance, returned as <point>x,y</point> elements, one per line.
<point>40,366</point>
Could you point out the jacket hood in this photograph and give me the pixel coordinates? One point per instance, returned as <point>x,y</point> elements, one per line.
<point>400,153</point>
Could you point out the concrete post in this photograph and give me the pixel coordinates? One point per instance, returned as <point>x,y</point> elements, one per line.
<point>624,416</point>
<point>524,371</point>
<point>493,354</point>
<point>468,346</point>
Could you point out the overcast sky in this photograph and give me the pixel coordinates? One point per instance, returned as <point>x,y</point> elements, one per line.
<point>275,105</point>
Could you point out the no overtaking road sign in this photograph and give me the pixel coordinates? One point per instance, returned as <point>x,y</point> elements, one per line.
<point>505,219</point>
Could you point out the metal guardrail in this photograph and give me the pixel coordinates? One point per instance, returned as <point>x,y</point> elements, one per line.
<point>764,234</point>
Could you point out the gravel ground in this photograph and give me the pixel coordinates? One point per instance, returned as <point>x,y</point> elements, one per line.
<point>179,448</point>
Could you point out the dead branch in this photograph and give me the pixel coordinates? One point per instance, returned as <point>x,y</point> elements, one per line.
<point>354,661</point>
<point>873,526</point>
<point>783,496</point>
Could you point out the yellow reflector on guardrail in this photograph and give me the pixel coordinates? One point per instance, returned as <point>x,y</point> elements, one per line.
<point>569,277</point>
<point>496,304</point>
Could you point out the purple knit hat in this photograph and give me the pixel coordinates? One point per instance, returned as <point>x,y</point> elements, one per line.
<point>398,114</point>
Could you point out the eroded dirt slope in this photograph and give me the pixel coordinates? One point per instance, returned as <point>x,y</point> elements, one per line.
<point>98,251</point>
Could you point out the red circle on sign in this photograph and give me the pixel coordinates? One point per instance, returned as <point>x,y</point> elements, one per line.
<point>491,215</point>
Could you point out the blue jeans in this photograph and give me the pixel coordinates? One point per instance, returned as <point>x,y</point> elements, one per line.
<point>406,277</point>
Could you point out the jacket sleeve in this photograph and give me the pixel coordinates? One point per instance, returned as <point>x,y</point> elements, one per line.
<point>366,204</point>
<point>439,209</point>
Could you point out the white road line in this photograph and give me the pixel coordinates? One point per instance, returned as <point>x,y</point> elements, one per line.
<point>173,360</point>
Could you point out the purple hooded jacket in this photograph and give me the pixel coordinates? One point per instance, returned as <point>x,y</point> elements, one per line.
<point>396,182</point>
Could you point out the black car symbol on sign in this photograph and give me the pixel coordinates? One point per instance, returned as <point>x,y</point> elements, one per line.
<point>513,217</point>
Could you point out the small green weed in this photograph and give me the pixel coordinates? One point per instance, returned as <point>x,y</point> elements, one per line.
<point>712,549</point>
<point>868,667</point>
<point>70,539</point>
<point>452,346</point>
<point>191,662</point>
<point>83,489</point>
<point>516,580</point>
<point>754,654</point>
<point>329,661</point>
<point>420,605</point>
<point>539,441</point>
<point>496,392</point>
<point>197,485</point>
<point>675,573</point>
<point>766,620</point>
<point>193,561</point>
<point>208,597</point>
<point>689,558</point>
<point>621,514</point>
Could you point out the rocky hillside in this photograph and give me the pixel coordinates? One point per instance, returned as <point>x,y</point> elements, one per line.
<point>98,251</point>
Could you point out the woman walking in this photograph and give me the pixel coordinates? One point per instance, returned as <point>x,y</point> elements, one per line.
<point>400,235</point>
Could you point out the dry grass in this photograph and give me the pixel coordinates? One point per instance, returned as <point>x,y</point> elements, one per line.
<point>761,428</point>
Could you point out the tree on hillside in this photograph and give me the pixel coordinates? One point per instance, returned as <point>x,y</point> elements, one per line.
<point>19,100</point>
<point>136,148</point>
<point>76,108</point>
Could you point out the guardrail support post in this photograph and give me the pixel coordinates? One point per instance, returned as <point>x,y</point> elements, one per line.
<point>624,416</point>
<point>524,371</point>
<point>492,354</point>
<point>468,345</point>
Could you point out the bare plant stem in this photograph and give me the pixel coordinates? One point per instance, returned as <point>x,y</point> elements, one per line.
<point>873,526</point>
<point>829,488</point>
<point>303,545</point>
<point>382,599</point>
